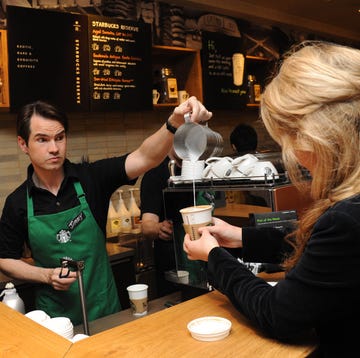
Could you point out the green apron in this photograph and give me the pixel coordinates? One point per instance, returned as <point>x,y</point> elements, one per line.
<point>73,234</point>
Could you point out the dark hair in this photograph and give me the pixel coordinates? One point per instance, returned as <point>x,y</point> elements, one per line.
<point>43,109</point>
<point>244,138</point>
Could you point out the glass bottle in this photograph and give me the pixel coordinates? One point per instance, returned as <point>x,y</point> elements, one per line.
<point>169,91</point>
<point>250,89</point>
<point>254,90</point>
<point>257,92</point>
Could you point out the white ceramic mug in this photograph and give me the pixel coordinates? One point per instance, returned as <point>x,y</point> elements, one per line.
<point>183,96</point>
<point>241,164</point>
<point>261,170</point>
<point>192,170</point>
<point>218,167</point>
<point>155,96</point>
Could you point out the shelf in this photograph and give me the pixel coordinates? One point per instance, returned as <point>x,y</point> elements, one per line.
<point>257,58</point>
<point>167,50</point>
<point>165,105</point>
<point>186,64</point>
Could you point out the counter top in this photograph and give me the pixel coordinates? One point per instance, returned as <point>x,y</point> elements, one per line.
<point>163,334</point>
<point>124,316</point>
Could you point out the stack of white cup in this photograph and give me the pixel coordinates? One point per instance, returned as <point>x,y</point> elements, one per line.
<point>61,326</point>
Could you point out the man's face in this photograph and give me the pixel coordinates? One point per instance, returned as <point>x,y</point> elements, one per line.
<point>46,146</point>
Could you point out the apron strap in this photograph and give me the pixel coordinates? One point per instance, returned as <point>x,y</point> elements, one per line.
<point>80,192</point>
<point>30,205</point>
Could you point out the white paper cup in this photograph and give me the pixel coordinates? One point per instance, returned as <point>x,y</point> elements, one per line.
<point>195,217</point>
<point>192,170</point>
<point>138,296</point>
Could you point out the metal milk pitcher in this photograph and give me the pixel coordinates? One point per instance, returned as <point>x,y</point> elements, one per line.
<point>193,141</point>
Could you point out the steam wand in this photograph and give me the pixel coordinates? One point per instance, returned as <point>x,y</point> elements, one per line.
<point>78,266</point>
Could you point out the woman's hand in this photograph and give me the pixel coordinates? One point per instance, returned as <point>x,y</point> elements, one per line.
<point>200,249</point>
<point>227,235</point>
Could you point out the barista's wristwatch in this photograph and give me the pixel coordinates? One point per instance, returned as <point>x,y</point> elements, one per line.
<point>170,127</point>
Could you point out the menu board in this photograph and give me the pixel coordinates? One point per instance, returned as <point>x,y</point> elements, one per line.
<point>220,91</point>
<point>80,62</point>
<point>48,58</point>
<point>120,64</point>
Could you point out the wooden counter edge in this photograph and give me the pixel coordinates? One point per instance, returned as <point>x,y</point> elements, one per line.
<point>22,337</point>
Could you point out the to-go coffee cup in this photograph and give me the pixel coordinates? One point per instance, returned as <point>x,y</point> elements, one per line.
<point>195,217</point>
<point>138,295</point>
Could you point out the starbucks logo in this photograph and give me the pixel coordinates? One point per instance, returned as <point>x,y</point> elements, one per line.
<point>63,236</point>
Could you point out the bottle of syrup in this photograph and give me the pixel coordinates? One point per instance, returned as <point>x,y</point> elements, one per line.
<point>135,213</point>
<point>123,214</point>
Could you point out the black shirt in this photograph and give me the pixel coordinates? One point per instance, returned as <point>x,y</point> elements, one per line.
<point>98,180</point>
<point>322,291</point>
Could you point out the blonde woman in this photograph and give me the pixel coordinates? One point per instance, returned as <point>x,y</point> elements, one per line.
<point>312,109</point>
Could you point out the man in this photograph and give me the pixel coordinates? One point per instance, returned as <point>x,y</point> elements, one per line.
<point>243,139</point>
<point>154,225</point>
<point>60,210</point>
<point>163,227</point>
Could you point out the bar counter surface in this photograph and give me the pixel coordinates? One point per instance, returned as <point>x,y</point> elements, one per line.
<point>161,334</point>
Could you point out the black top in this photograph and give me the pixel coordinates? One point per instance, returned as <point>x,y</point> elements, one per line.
<point>322,291</point>
<point>152,185</point>
<point>151,195</point>
<point>98,180</point>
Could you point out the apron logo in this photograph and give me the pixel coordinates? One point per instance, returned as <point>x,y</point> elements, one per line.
<point>76,221</point>
<point>63,236</point>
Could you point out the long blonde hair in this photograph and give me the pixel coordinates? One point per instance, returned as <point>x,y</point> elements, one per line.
<point>313,104</point>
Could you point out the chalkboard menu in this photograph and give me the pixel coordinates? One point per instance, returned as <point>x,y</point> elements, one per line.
<point>77,61</point>
<point>47,57</point>
<point>120,64</point>
<point>217,52</point>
